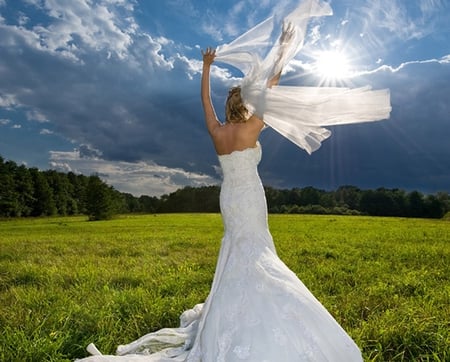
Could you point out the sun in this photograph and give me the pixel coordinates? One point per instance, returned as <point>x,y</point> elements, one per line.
<point>332,65</point>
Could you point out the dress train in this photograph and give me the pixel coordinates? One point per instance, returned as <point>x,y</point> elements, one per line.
<point>257,310</point>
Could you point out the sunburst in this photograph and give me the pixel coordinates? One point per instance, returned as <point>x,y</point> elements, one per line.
<point>332,67</point>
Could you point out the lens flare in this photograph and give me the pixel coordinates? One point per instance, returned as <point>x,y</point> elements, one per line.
<point>332,65</point>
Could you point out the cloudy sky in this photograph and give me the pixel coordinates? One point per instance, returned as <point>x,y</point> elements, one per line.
<point>112,87</point>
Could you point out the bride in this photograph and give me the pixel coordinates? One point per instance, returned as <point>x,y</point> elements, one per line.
<point>257,309</point>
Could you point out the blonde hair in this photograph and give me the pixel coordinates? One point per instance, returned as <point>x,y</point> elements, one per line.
<point>235,110</point>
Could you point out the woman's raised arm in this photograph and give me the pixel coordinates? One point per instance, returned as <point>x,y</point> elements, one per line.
<point>212,123</point>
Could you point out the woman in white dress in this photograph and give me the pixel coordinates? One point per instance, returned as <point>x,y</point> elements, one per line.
<point>258,310</point>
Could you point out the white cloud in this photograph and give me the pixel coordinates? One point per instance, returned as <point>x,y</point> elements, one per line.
<point>8,101</point>
<point>124,106</point>
<point>404,20</point>
<point>46,131</point>
<point>213,31</point>
<point>79,24</point>
<point>146,53</point>
<point>314,35</point>
<point>4,122</point>
<point>184,7</point>
<point>394,17</point>
<point>36,115</point>
<point>431,6</point>
<point>445,59</point>
<point>239,17</point>
<point>392,69</point>
<point>23,19</point>
<point>137,178</point>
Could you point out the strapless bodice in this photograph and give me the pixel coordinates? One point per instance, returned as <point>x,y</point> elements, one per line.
<point>239,167</point>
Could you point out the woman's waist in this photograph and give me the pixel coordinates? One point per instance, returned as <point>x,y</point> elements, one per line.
<point>239,185</point>
<point>242,176</point>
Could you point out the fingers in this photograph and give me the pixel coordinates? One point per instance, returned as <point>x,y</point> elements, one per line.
<point>288,31</point>
<point>209,51</point>
<point>288,27</point>
<point>208,55</point>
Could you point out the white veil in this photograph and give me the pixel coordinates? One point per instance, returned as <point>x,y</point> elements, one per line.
<point>297,113</point>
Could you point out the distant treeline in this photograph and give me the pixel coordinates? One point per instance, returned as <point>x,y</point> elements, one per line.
<point>346,200</point>
<point>31,192</point>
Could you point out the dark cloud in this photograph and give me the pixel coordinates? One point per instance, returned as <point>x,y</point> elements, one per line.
<point>86,151</point>
<point>410,150</point>
<point>130,109</point>
<point>128,96</point>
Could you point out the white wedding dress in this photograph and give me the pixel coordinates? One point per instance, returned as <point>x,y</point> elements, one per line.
<point>257,309</point>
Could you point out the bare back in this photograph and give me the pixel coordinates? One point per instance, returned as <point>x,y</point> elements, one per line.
<point>237,136</point>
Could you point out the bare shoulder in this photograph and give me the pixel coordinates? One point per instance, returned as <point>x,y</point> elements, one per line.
<point>213,126</point>
<point>255,122</point>
<point>231,137</point>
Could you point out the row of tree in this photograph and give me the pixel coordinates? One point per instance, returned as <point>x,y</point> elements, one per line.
<point>31,192</point>
<point>346,200</point>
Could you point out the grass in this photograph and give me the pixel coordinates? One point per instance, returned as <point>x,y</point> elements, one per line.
<point>65,282</point>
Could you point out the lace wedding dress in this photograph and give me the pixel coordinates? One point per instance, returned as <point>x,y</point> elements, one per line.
<point>257,309</point>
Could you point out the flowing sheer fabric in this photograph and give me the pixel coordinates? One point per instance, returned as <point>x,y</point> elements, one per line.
<point>257,310</point>
<point>298,113</point>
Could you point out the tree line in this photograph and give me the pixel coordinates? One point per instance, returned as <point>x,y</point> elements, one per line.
<point>31,192</point>
<point>346,200</point>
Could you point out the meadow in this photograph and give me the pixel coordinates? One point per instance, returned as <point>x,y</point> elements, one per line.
<point>66,282</point>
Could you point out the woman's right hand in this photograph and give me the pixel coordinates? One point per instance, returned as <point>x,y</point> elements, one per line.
<point>208,56</point>
<point>287,33</point>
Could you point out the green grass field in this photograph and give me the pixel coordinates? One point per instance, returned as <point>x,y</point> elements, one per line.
<point>66,282</point>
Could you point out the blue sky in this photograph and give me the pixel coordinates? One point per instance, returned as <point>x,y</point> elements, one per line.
<point>112,87</point>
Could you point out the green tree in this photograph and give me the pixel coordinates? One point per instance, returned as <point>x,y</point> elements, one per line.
<point>191,199</point>
<point>294,197</point>
<point>275,199</point>
<point>444,199</point>
<point>24,189</point>
<point>61,189</point>
<point>433,207</point>
<point>327,199</point>
<point>416,205</point>
<point>149,203</point>
<point>348,196</point>
<point>8,196</point>
<point>382,202</point>
<point>132,203</point>
<point>44,204</point>
<point>78,193</point>
<point>99,199</point>
<point>309,196</point>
